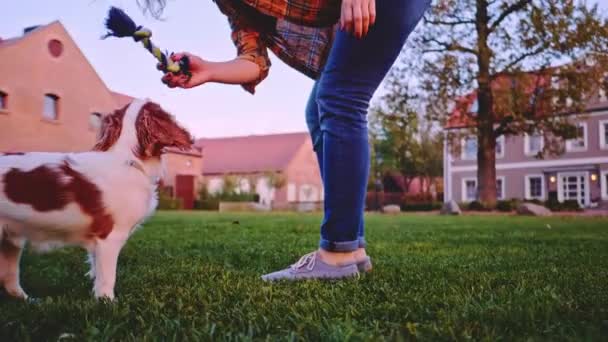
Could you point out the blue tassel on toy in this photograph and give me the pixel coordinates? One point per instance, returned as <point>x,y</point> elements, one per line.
<point>120,25</point>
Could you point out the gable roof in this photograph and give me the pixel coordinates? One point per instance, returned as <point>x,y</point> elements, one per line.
<point>250,154</point>
<point>462,115</point>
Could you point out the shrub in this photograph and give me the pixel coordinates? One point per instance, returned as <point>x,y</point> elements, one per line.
<point>571,205</point>
<point>421,206</point>
<point>506,206</point>
<point>166,202</point>
<point>476,206</point>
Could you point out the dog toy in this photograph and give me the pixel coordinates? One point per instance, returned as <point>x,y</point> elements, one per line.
<point>120,25</point>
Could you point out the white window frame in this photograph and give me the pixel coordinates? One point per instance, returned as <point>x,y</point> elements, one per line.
<point>464,188</point>
<point>500,140</point>
<point>602,131</point>
<point>543,190</point>
<point>503,187</point>
<point>570,148</point>
<point>604,184</point>
<point>463,150</point>
<point>527,150</point>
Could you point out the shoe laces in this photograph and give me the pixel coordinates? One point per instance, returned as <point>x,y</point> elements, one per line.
<point>307,260</point>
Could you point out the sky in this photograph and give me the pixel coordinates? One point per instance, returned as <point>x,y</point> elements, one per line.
<point>196,26</point>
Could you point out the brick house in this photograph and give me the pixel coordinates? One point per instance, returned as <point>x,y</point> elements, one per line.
<point>580,174</point>
<point>250,159</point>
<point>48,92</point>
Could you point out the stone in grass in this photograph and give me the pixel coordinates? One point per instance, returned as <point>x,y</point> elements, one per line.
<point>450,208</point>
<point>391,209</point>
<point>532,209</point>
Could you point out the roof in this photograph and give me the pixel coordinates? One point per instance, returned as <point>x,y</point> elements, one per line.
<point>463,117</point>
<point>11,41</point>
<point>250,154</point>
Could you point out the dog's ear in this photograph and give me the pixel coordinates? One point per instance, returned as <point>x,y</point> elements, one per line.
<point>110,127</point>
<point>157,129</point>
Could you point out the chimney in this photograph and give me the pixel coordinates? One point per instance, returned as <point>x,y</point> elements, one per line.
<point>29,29</point>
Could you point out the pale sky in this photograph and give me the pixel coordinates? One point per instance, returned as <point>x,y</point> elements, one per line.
<point>196,26</point>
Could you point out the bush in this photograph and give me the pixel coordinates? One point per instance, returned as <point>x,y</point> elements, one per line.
<point>208,204</point>
<point>535,201</point>
<point>506,206</point>
<point>168,203</point>
<point>569,205</point>
<point>421,206</point>
<point>476,206</point>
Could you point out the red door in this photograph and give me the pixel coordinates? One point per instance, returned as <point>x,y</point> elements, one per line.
<point>184,189</point>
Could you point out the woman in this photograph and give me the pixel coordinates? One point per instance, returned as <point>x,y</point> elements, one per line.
<point>347,47</point>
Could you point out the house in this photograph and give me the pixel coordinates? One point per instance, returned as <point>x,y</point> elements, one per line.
<point>258,161</point>
<point>580,174</point>
<point>48,92</point>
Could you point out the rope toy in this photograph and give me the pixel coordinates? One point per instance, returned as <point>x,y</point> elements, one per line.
<point>120,25</point>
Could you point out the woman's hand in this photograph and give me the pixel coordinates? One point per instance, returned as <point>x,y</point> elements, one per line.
<point>357,16</point>
<point>199,68</point>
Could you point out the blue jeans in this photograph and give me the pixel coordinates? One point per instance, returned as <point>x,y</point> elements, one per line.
<point>336,117</point>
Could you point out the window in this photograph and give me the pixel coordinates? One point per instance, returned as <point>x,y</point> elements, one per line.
<point>469,189</point>
<point>604,181</point>
<point>500,188</point>
<point>533,144</point>
<point>3,101</point>
<point>500,146</point>
<point>51,107</point>
<point>535,187</point>
<point>604,135</point>
<point>469,148</point>
<point>580,142</point>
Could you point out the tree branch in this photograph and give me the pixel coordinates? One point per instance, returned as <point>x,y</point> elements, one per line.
<point>522,57</point>
<point>447,46</point>
<point>513,8</point>
<point>450,23</point>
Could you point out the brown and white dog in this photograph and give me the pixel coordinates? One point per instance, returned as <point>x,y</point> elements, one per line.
<point>93,199</point>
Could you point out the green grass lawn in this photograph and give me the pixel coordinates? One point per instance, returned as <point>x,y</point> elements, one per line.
<point>195,276</point>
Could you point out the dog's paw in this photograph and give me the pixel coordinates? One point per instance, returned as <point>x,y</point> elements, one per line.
<point>17,293</point>
<point>104,296</point>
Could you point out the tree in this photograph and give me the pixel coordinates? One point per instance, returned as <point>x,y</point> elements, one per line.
<point>401,136</point>
<point>523,61</point>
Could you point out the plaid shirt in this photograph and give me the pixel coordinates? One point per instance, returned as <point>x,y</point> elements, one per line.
<point>299,32</point>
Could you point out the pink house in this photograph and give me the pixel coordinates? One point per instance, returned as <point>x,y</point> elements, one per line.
<point>258,161</point>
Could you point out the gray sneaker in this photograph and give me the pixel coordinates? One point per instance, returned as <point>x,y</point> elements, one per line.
<point>310,266</point>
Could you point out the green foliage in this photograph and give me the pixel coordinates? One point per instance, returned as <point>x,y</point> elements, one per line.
<point>568,205</point>
<point>195,276</point>
<point>166,202</point>
<point>429,206</point>
<point>476,206</point>
<point>228,193</point>
<point>506,206</point>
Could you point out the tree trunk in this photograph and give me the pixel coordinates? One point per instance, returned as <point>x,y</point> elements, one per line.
<point>486,140</point>
<point>486,167</point>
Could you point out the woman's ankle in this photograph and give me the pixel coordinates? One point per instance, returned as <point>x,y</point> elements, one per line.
<point>337,258</point>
